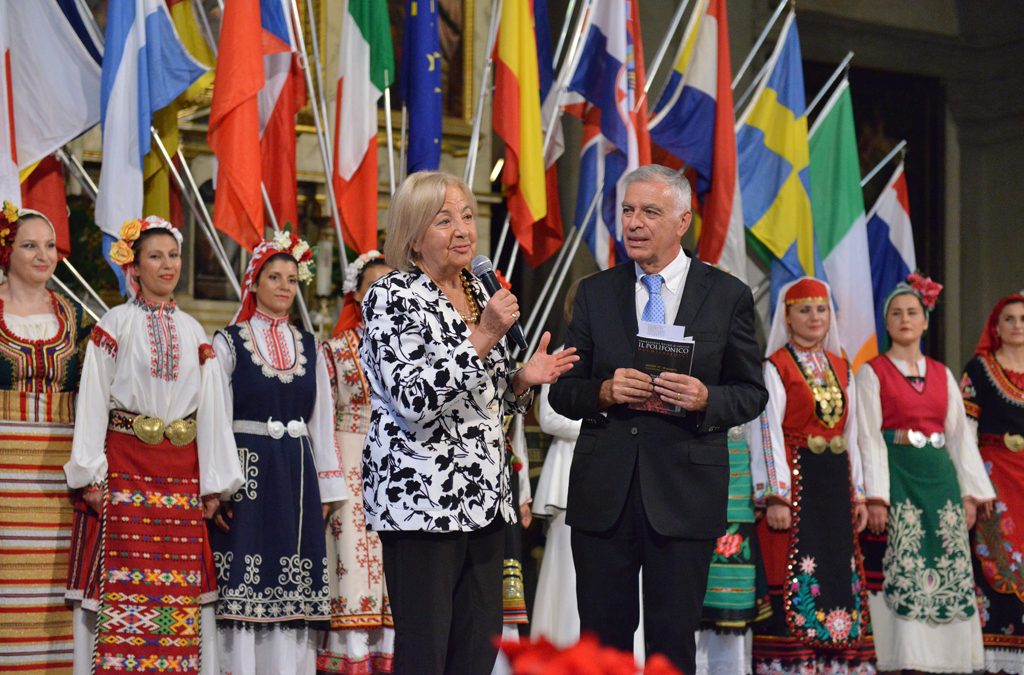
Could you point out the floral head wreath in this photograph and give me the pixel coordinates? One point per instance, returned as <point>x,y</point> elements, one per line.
<point>8,230</point>
<point>924,288</point>
<point>285,242</point>
<point>353,271</point>
<point>122,253</point>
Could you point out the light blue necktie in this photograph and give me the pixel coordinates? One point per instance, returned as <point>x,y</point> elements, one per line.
<point>654,310</point>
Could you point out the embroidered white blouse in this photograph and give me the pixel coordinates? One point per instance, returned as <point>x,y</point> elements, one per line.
<point>768,447</point>
<point>276,342</point>
<point>33,326</point>
<point>961,441</point>
<point>153,359</point>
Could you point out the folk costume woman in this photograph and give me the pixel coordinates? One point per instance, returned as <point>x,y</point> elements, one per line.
<point>441,378</point>
<point>806,465</point>
<point>154,453</point>
<point>924,479</point>
<point>362,636</point>
<point>269,540</point>
<point>992,387</point>
<point>43,336</point>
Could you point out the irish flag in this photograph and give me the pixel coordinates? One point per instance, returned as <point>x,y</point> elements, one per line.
<point>840,228</point>
<point>366,68</point>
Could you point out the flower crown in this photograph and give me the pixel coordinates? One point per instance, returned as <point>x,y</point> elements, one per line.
<point>358,265</point>
<point>121,251</point>
<point>283,242</point>
<point>926,289</point>
<point>8,230</point>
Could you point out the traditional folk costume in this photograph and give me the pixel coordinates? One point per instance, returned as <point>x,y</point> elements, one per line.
<point>40,363</point>
<point>919,459</point>
<point>805,453</point>
<point>994,400</point>
<point>362,636</point>
<point>272,564</point>
<point>152,432</point>
<point>736,595</point>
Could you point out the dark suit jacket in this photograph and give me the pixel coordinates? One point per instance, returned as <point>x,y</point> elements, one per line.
<point>683,461</point>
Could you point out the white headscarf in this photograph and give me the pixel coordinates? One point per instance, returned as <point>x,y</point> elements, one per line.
<point>779,335</point>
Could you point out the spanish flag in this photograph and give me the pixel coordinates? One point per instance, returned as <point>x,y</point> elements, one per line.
<point>517,119</point>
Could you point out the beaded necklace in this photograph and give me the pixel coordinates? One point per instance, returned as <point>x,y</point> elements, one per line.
<point>474,312</point>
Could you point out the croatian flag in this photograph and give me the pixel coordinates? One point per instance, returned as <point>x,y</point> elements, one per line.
<point>145,67</point>
<point>694,121</point>
<point>890,242</point>
<point>610,80</point>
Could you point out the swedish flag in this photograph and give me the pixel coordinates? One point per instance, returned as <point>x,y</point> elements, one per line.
<point>774,164</point>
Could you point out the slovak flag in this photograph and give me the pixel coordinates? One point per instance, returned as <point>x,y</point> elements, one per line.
<point>145,67</point>
<point>694,121</point>
<point>610,80</point>
<point>890,242</point>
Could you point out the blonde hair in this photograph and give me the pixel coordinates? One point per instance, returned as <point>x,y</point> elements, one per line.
<point>418,199</point>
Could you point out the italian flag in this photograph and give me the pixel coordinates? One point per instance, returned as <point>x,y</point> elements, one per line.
<point>840,227</point>
<point>366,68</point>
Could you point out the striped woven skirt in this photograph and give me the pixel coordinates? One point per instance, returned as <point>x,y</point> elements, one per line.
<point>35,532</point>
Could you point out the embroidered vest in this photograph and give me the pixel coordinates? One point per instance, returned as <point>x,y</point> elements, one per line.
<point>802,411</point>
<point>287,394</point>
<point>903,406</point>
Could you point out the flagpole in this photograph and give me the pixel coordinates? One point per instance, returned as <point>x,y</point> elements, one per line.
<point>549,303</point>
<point>389,131</point>
<point>197,212</point>
<point>85,180</point>
<point>900,147</point>
<point>303,311</point>
<point>63,287</point>
<point>315,39</point>
<point>565,30</point>
<point>760,41</point>
<point>563,265</point>
<point>401,145</point>
<point>751,87</point>
<point>204,19</point>
<point>324,156</point>
<point>843,66</point>
<point>481,100</point>
<point>659,56</point>
<point>198,197</point>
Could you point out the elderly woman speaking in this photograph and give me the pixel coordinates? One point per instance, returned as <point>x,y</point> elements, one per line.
<point>441,377</point>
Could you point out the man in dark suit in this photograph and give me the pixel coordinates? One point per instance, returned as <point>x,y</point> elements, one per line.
<point>649,490</point>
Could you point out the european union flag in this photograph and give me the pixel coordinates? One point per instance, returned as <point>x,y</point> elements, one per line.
<point>420,76</point>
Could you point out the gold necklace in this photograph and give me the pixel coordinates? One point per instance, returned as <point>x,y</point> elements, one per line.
<point>828,398</point>
<point>474,312</point>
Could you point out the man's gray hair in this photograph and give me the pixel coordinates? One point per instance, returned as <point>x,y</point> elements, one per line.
<point>656,173</point>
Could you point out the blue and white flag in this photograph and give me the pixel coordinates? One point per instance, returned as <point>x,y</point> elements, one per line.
<point>145,67</point>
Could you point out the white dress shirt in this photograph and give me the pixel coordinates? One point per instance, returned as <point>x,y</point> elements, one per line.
<point>674,275</point>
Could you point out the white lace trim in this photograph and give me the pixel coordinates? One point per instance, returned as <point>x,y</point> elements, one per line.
<point>1010,661</point>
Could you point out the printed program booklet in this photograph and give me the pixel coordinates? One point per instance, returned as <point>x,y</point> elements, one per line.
<point>662,348</point>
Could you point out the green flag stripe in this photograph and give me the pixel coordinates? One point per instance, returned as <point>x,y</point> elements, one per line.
<point>836,197</point>
<point>371,16</point>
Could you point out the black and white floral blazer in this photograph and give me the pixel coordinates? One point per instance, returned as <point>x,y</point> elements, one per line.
<point>434,458</point>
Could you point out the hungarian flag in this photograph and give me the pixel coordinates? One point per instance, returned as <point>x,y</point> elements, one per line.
<point>366,69</point>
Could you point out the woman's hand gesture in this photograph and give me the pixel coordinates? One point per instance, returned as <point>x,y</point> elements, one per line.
<point>544,368</point>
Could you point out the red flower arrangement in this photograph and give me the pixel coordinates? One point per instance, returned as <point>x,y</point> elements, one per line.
<point>586,657</point>
<point>926,288</point>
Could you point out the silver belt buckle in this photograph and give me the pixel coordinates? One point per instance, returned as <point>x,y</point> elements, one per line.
<point>275,429</point>
<point>296,428</point>
<point>736,434</point>
<point>916,438</point>
<point>938,439</point>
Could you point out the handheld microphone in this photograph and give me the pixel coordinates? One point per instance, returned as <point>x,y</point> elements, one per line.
<point>484,271</point>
